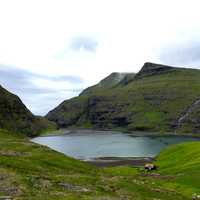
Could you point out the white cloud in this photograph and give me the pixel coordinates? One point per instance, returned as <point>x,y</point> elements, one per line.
<point>36,35</point>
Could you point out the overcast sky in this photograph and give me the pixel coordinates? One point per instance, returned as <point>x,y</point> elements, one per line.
<point>51,49</point>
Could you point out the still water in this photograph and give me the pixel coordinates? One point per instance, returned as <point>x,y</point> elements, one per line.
<point>94,144</point>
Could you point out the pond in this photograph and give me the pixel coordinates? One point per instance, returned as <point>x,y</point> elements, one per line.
<point>87,145</point>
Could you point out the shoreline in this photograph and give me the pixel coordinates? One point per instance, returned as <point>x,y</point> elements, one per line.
<point>120,161</point>
<point>62,132</point>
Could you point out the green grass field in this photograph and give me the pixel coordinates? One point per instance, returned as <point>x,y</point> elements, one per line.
<point>31,171</point>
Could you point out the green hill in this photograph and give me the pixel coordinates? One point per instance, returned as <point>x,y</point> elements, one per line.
<point>14,116</point>
<point>34,172</point>
<point>182,162</point>
<point>158,98</point>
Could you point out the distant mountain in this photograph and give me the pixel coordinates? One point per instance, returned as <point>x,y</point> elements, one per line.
<point>158,98</point>
<point>14,116</point>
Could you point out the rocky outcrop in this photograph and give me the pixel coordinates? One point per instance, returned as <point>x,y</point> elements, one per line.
<point>150,69</point>
<point>99,111</point>
<point>189,118</point>
<point>187,112</point>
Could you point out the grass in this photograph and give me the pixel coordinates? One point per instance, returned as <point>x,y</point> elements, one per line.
<point>182,161</point>
<point>35,172</point>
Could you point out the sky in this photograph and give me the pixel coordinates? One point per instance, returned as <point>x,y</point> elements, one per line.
<point>50,50</point>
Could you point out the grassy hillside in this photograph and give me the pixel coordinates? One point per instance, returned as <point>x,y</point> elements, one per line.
<point>14,116</point>
<point>34,172</point>
<point>109,82</point>
<point>158,98</point>
<point>182,162</point>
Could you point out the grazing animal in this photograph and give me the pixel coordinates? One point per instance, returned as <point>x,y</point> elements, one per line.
<point>149,166</point>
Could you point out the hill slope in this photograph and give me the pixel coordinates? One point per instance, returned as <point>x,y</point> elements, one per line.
<point>14,116</point>
<point>182,162</point>
<point>109,82</point>
<point>158,98</point>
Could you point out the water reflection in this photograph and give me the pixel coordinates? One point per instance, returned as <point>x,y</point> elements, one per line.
<point>83,145</point>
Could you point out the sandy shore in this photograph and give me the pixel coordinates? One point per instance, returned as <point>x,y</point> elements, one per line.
<point>114,161</point>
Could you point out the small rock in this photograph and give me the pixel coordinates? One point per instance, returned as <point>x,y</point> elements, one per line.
<point>83,190</point>
<point>68,186</point>
<point>157,190</point>
<point>3,177</point>
<point>5,198</point>
<point>11,153</point>
<point>195,196</point>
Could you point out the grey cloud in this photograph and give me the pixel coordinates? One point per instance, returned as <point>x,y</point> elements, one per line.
<point>71,79</point>
<point>37,98</point>
<point>85,43</point>
<point>183,54</point>
<point>33,91</point>
<point>19,79</point>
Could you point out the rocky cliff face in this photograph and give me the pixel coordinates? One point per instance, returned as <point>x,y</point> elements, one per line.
<point>150,69</point>
<point>152,100</point>
<point>14,116</point>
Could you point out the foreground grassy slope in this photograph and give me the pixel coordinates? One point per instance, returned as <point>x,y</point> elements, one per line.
<point>183,162</point>
<point>153,100</point>
<point>33,172</point>
<point>14,116</point>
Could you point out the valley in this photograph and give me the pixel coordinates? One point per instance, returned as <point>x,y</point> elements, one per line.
<point>112,130</point>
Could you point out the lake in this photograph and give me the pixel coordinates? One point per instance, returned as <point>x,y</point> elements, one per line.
<point>87,145</point>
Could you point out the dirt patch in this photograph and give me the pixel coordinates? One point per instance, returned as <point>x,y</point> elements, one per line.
<point>112,162</point>
<point>157,176</point>
<point>11,153</point>
<point>70,187</point>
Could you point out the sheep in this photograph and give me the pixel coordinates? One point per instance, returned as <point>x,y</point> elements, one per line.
<point>149,166</point>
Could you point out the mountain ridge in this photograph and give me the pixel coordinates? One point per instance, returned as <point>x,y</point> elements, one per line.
<point>151,100</point>
<point>110,81</point>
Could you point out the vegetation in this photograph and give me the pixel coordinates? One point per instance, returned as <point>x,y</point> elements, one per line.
<point>34,172</point>
<point>14,116</point>
<point>152,100</point>
<point>157,98</point>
